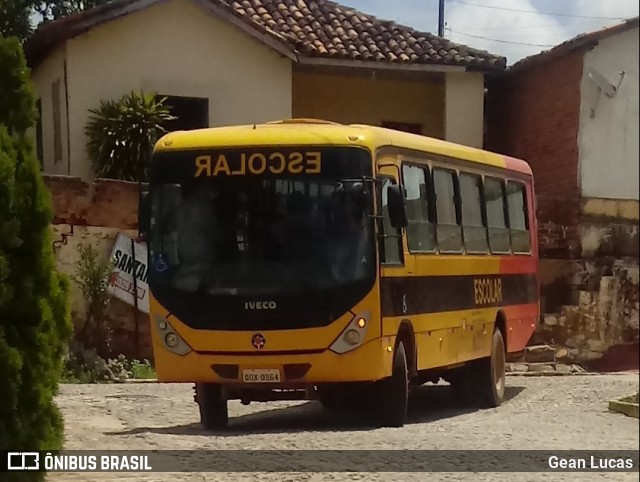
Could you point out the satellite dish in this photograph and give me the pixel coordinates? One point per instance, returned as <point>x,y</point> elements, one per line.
<point>602,83</point>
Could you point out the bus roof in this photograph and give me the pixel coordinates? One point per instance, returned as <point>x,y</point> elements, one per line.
<point>320,132</point>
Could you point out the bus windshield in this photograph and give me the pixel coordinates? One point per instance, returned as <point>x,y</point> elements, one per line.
<point>250,235</point>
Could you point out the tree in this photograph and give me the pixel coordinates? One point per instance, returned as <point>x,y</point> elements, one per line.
<point>122,134</point>
<point>16,16</point>
<point>35,323</point>
<point>55,9</point>
<point>17,108</point>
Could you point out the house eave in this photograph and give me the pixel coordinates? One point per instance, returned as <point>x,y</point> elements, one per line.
<point>387,66</point>
<point>39,47</point>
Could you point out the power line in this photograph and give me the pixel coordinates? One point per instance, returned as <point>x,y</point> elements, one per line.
<point>550,25</point>
<point>536,12</point>
<point>501,41</point>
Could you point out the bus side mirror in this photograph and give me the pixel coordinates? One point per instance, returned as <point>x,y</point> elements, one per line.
<point>397,213</point>
<point>144,214</point>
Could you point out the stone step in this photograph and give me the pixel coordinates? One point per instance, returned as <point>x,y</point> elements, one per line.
<point>544,368</point>
<point>540,354</point>
<point>541,367</point>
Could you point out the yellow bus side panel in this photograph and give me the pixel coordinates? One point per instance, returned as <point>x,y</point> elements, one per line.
<point>446,338</point>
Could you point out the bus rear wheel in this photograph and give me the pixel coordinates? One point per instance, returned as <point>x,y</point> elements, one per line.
<point>214,413</point>
<point>394,392</point>
<point>491,373</point>
<point>481,383</point>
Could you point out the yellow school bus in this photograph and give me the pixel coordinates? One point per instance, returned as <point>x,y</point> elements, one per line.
<point>303,259</point>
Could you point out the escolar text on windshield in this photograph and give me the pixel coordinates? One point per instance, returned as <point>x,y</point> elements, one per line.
<point>257,163</point>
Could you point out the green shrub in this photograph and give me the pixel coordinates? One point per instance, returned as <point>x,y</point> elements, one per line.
<point>34,310</point>
<point>93,271</point>
<point>122,134</point>
<point>86,366</point>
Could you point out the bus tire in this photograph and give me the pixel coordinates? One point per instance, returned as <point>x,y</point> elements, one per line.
<point>214,413</point>
<point>395,391</point>
<point>491,375</point>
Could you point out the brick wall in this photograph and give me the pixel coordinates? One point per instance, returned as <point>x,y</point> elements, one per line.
<point>95,213</point>
<point>558,228</point>
<point>104,202</point>
<point>533,114</point>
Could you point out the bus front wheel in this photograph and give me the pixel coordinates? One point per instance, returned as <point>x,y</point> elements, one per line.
<point>214,413</point>
<point>394,392</point>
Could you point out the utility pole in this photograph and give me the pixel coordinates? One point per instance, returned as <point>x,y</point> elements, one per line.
<point>440,18</point>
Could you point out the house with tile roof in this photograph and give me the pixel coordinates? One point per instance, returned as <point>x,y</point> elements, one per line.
<point>223,62</point>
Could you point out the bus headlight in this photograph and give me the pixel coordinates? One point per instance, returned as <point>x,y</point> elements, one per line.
<point>170,338</point>
<point>353,335</point>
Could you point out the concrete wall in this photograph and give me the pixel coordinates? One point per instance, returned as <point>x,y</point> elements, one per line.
<point>464,108</point>
<point>174,48</point>
<point>43,78</point>
<point>94,213</point>
<point>367,100</point>
<point>608,137</point>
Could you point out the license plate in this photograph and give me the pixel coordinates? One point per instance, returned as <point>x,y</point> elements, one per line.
<point>261,375</point>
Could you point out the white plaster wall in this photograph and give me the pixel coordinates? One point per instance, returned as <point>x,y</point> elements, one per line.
<point>608,135</point>
<point>175,48</point>
<point>464,108</point>
<point>43,77</point>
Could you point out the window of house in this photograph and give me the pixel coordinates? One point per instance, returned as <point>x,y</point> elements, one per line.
<point>189,112</point>
<point>473,225</point>
<point>57,122</point>
<point>391,252</point>
<point>518,221</point>
<point>421,235</point>
<point>39,145</point>
<point>495,202</point>
<point>448,229</point>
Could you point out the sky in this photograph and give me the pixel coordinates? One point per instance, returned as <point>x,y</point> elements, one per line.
<point>512,28</point>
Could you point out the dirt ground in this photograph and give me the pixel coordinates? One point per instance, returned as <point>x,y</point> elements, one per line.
<point>541,413</point>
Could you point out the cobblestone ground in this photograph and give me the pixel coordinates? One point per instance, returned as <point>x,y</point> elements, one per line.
<point>544,413</point>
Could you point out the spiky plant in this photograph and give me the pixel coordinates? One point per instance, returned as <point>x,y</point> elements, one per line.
<point>121,135</point>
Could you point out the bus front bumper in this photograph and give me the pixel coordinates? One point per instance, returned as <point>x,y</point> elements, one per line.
<point>369,362</point>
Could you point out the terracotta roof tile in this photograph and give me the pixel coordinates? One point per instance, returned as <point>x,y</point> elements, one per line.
<point>307,28</point>
<point>581,41</point>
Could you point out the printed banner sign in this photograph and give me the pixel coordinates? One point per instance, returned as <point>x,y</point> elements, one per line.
<point>121,284</point>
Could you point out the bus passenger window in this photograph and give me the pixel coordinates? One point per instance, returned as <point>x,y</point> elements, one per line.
<point>473,226</point>
<point>518,222</point>
<point>495,202</point>
<point>391,239</point>
<point>421,235</point>
<point>448,229</point>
